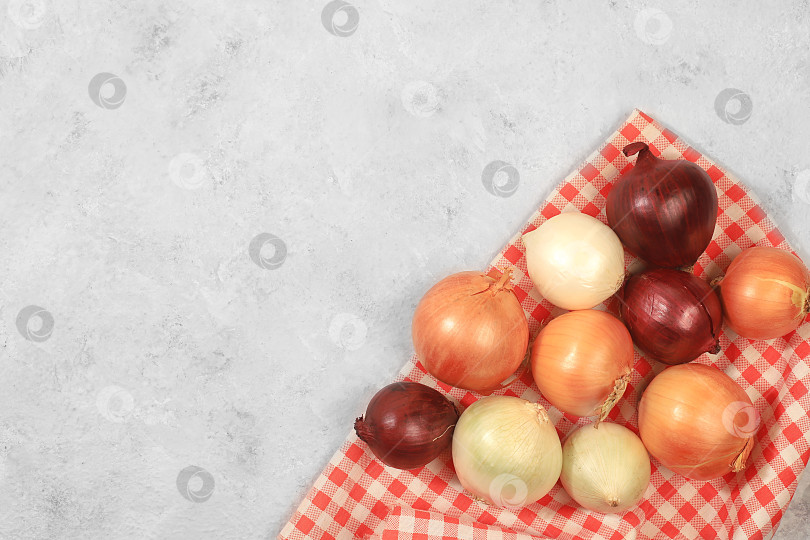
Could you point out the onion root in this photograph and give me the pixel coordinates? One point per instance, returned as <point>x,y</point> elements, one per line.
<point>363,430</point>
<point>542,415</point>
<point>618,391</point>
<point>739,462</point>
<point>505,282</point>
<point>799,297</point>
<point>620,281</point>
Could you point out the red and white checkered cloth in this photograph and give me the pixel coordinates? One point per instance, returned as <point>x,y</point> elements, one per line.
<point>357,496</point>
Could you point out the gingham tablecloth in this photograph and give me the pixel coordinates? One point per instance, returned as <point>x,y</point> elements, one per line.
<point>357,496</point>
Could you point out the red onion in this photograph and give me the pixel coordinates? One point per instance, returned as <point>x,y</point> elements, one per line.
<point>673,316</point>
<point>407,425</point>
<point>664,211</point>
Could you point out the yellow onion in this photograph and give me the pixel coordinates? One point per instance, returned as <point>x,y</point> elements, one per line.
<point>605,468</point>
<point>581,362</point>
<point>506,451</point>
<point>470,331</point>
<point>765,293</point>
<point>697,422</point>
<point>574,260</point>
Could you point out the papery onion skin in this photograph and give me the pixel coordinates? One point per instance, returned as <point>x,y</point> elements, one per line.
<point>673,316</point>
<point>581,362</point>
<point>765,293</point>
<point>664,211</point>
<point>697,422</point>
<point>574,260</point>
<point>606,468</point>
<point>470,331</point>
<point>407,425</point>
<point>506,451</point>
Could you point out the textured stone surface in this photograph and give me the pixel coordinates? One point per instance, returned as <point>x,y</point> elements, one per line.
<point>183,355</point>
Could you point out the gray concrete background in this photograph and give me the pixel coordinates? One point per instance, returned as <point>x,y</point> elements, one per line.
<point>231,209</point>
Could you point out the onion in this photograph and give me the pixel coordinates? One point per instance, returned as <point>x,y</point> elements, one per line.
<point>407,424</point>
<point>673,316</point>
<point>663,210</point>
<point>470,331</point>
<point>574,260</point>
<point>765,293</point>
<point>606,468</point>
<point>697,422</point>
<point>581,362</point>
<point>506,451</point>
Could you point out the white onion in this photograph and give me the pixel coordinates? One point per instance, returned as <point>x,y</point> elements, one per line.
<point>606,468</point>
<point>506,451</point>
<point>575,260</point>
